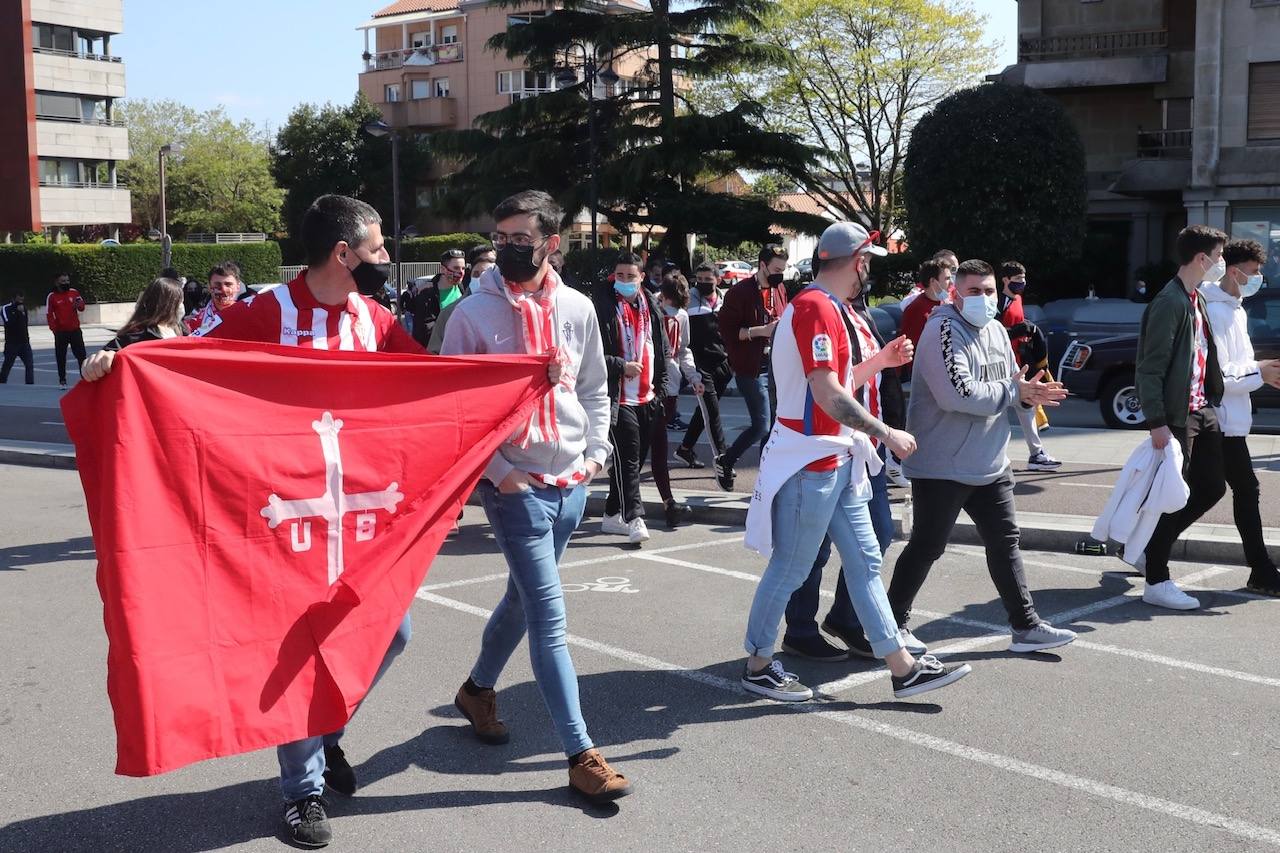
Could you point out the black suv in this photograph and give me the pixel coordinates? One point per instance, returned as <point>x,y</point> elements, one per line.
<point>1096,349</point>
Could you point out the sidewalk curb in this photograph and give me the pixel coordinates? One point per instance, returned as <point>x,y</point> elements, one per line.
<point>1204,543</point>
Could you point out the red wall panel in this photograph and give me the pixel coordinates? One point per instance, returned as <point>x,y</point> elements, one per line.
<point>19,175</point>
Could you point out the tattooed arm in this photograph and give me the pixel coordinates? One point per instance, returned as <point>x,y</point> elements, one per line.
<point>833,399</point>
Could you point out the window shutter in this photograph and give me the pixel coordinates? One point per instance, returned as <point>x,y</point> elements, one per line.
<point>1264,100</point>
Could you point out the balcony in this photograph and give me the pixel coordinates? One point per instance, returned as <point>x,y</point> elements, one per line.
<point>65,204</point>
<point>413,57</point>
<point>96,57</point>
<point>74,74</point>
<point>1164,144</point>
<point>1131,43</point>
<point>81,140</point>
<point>421,113</point>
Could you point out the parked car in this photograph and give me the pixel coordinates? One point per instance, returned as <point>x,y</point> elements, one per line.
<point>732,272</point>
<point>804,267</point>
<point>1097,360</point>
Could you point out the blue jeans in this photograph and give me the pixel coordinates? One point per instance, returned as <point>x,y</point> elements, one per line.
<point>753,394</point>
<point>302,762</point>
<point>809,506</point>
<point>532,529</point>
<point>802,610</point>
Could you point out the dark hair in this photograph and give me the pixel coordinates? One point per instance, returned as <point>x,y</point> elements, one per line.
<point>170,272</point>
<point>60,274</point>
<point>1242,251</point>
<point>1195,239</point>
<point>628,259</point>
<point>676,288</point>
<point>930,270</point>
<point>770,251</point>
<point>334,219</point>
<point>451,255</point>
<point>225,268</point>
<point>654,261</point>
<point>157,306</point>
<point>974,267</point>
<point>477,251</point>
<point>535,203</point>
<point>711,268</point>
<point>1008,269</point>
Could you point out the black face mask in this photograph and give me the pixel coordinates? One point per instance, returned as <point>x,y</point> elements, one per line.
<point>706,288</point>
<point>516,263</point>
<point>63,287</point>
<point>370,278</point>
<point>775,279</point>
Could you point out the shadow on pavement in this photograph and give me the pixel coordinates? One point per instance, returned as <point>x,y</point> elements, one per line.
<point>19,557</point>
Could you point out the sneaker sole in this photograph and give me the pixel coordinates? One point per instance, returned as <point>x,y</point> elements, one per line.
<point>310,845</point>
<point>1040,466</point>
<point>1163,606</point>
<point>792,650</point>
<point>1258,589</point>
<point>776,695</point>
<point>492,740</point>
<point>602,798</point>
<point>937,683</point>
<point>1023,648</point>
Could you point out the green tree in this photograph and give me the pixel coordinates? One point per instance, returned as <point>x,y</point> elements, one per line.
<point>856,75</point>
<point>218,177</point>
<point>324,149</point>
<point>998,172</point>
<point>654,148</point>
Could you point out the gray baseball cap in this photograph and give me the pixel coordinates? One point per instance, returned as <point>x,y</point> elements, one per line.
<point>844,239</point>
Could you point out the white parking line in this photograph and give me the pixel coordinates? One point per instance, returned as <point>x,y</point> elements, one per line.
<point>1092,787</point>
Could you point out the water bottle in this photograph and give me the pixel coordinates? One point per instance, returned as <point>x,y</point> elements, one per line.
<point>907,516</point>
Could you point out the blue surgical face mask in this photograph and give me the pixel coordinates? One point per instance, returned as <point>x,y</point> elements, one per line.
<point>626,289</point>
<point>978,310</point>
<point>1251,285</point>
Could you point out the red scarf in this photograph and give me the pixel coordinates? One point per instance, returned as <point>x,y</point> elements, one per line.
<point>636,344</point>
<point>536,310</point>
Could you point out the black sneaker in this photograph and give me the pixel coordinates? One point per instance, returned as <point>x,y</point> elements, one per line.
<point>724,474</point>
<point>307,822</point>
<point>855,640</point>
<point>338,774</point>
<point>929,673</point>
<point>677,514</point>
<point>677,425</point>
<point>813,648</point>
<point>1264,582</point>
<point>688,457</point>
<point>776,683</point>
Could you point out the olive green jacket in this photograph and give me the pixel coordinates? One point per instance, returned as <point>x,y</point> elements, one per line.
<point>1163,372</point>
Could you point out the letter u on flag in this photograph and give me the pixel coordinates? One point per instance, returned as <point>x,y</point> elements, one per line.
<point>263,516</point>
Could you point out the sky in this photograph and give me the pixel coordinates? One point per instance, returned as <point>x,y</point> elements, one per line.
<point>260,58</point>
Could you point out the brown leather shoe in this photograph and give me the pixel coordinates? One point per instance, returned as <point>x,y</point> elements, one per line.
<point>593,778</point>
<point>481,710</point>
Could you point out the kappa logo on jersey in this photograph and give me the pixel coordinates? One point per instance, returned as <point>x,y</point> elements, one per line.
<point>289,332</point>
<point>822,350</point>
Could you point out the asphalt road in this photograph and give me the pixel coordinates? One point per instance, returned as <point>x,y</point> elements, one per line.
<point>1154,732</point>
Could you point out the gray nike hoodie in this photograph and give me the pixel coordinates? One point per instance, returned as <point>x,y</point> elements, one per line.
<point>962,383</point>
<point>485,322</point>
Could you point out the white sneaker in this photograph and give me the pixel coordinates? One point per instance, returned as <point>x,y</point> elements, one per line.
<point>893,473</point>
<point>1167,594</point>
<point>637,532</point>
<point>614,524</point>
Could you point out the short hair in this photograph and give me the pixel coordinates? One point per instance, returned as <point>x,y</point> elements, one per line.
<point>452,255</point>
<point>711,268</point>
<point>226,268</point>
<point>1195,239</point>
<point>61,273</point>
<point>945,255</point>
<point>334,219</point>
<point>676,288</point>
<point>628,259</point>
<point>654,261</point>
<point>167,272</point>
<point>930,270</point>
<point>1008,269</point>
<point>1242,251</point>
<point>974,267</point>
<point>770,251</point>
<point>478,251</point>
<point>535,203</point>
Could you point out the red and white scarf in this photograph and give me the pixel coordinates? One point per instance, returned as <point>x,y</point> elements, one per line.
<point>635,339</point>
<point>538,328</point>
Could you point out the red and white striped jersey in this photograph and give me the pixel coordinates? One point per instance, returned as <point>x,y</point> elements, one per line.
<point>291,316</point>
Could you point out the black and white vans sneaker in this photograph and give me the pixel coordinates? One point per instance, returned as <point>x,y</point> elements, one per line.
<point>308,824</point>
<point>929,673</point>
<point>776,683</point>
<point>724,474</point>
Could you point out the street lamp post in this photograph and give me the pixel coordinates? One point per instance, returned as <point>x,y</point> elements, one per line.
<point>166,243</point>
<point>379,128</point>
<point>591,72</point>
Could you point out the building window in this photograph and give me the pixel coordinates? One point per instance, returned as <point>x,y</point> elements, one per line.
<point>525,84</point>
<point>420,89</point>
<point>420,39</point>
<point>392,93</point>
<point>449,34</point>
<point>442,87</point>
<point>56,105</point>
<point>1264,101</point>
<point>51,37</point>
<point>55,173</point>
<point>523,18</point>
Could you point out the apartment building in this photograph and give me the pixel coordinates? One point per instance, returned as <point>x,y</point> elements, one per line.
<point>1178,105</point>
<point>59,82</point>
<point>427,67</point>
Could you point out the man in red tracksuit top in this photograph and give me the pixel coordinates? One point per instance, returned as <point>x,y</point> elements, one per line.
<point>1013,281</point>
<point>62,310</point>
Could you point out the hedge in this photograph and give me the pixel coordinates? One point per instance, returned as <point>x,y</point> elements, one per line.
<point>429,249</point>
<point>118,273</point>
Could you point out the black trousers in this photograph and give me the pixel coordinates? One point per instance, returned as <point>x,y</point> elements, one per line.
<point>1246,499</point>
<point>1203,470</point>
<point>630,437</point>
<point>14,351</point>
<point>937,506</point>
<point>62,340</point>
<point>713,385</point>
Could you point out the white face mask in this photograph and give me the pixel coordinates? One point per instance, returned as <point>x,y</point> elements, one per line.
<point>978,310</point>
<point>1251,285</point>
<point>1217,271</point>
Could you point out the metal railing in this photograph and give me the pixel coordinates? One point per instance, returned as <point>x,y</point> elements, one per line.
<point>85,185</point>
<point>227,237</point>
<point>75,54</point>
<point>391,59</point>
<point>408,272</point>
<point>1164,144</point>
<point>100,122</point>
<point>1093,44</point>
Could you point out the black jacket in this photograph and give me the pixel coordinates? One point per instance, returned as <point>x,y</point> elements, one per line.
<point>893,405</point>
<point>125,339</point>
<point>706,344</point>
<point>15,323</point>
<point>606,301</point>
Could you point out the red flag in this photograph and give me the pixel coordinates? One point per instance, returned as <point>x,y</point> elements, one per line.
<point>263,516</point>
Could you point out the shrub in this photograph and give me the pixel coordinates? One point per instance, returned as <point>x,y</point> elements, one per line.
<point>894,274</point>
<point>118,273</point>
<point>429,249</point>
